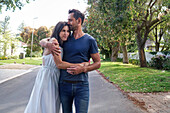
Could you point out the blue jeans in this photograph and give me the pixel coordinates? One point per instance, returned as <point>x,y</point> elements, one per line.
<point>79,92</point>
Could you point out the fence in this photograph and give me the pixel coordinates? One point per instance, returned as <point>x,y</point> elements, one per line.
<point>136,55</point>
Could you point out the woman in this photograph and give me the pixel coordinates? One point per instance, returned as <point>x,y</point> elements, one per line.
<point>45,96</point>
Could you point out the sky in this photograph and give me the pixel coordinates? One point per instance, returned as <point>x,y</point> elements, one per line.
<point>47,12</point>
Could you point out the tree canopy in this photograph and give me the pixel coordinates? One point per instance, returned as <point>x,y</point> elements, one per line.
<point>12,4</point>
<point>110,21</point>
<point>38,34</point>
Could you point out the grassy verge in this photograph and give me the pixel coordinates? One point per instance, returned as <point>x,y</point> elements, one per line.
<point>33,61</point>
<point>131,78</point>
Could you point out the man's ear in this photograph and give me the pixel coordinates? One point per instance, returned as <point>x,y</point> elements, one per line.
<point>79,21</point>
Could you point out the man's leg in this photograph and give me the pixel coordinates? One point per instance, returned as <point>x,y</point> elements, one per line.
<point>82,97</point>
<point>66,97</point>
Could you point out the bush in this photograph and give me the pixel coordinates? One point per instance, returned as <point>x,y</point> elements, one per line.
<point>166,64</point>
<point>13,57</point>
<point>160,62</point>
<point>107,59</point>
<point>119,60</point>
<point>165,52</point>
<point>3,58</point>
<point>134,61</point>
<point>153,53</point>
<point>36,54</point>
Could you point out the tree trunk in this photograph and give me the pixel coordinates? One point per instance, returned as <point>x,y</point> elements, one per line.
<point>12,51</point>
<point>142,57</point>
<point>107,56</point>
<point>156,39</point>
<point>115,51</point>
<point>141,51</point>
<point>5,49</point>
<point>125,55</point>
<point>157,46</point>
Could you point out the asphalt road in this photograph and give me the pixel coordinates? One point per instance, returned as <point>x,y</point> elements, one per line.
<point>14,94</point>
<point>104,97</point>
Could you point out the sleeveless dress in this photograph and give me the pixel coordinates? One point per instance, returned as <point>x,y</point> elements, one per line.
<point>45,96</point>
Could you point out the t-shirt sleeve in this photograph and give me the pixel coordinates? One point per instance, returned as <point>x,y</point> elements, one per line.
<point>93,46</point>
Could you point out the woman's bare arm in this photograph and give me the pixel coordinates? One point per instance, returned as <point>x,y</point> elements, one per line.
<point>57,58</point>
<point>64,65</point>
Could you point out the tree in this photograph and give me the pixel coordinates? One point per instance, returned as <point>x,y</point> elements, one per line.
<point>145,21</point>
<point>12,4</point>
<point>166,42</point>
<point>98,28</point>
<point>21,27</point>
<point>26,35</point>
<point>159,35</point>
<point>5,34</point>
<point>40,33</point>
<point>8,39</point>
<point>113,20</point>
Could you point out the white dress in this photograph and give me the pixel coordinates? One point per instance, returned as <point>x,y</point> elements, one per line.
<point>45,96</point>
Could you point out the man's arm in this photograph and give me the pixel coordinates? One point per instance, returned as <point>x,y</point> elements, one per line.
<point>79,69</point>
<point>96,63</point>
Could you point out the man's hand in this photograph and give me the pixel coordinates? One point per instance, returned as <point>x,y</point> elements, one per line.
<point>74,70</point>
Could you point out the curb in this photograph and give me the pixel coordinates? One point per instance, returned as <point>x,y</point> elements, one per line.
<point>136,101</point>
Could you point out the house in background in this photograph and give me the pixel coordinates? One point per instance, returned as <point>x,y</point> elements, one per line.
<point>150,46</point>
<point>15,49</point>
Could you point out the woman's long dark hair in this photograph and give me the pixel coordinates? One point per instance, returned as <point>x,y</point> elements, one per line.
<point>59,26</point>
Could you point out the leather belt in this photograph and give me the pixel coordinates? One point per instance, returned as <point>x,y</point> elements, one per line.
<point>73,82</point>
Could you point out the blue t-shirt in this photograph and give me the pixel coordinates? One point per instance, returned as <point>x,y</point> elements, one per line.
<point>78,51</point>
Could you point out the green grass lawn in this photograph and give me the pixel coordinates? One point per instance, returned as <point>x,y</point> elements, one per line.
<point>132,78</point>
<point>33,61</point>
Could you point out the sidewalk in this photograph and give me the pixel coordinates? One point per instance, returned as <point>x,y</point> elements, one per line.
<point>10,71</point>
<point>106,98</point>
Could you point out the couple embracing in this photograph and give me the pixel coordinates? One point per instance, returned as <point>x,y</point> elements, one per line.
<point>64,73</point>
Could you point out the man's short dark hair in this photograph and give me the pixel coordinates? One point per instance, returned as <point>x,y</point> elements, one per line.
<point>77,14</point>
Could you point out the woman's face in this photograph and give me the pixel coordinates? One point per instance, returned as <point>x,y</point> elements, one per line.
<point>64,33</point>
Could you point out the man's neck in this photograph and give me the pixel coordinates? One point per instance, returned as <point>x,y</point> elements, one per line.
<point>78,33</point>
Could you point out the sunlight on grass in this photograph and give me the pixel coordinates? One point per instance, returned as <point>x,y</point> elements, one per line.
<point>33,61</point>
<point>132,78</point>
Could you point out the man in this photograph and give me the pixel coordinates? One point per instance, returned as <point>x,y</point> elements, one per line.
<point>73,85</point>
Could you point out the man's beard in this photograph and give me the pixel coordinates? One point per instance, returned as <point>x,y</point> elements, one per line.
<point>73,28</point>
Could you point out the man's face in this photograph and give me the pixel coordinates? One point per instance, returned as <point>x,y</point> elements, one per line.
<point>72,22</point>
